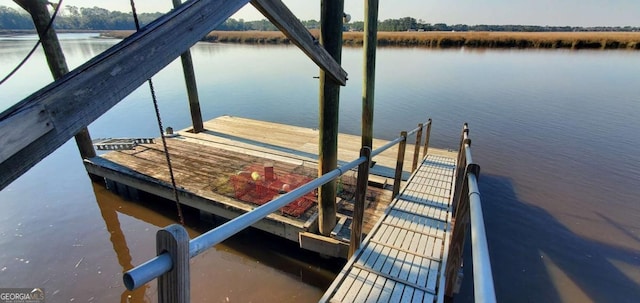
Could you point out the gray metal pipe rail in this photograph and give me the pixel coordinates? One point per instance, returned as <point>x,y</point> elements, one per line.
<point>483,287</point>
<point>164,262</point>
<point>397,140</point>
<point>161,264</point>
<point>468,215</point>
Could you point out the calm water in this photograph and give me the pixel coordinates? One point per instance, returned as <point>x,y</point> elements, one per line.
<point>554,132</point>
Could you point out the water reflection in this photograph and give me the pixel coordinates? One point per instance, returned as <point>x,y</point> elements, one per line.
<point>251,250</point>
<point>109,210</point>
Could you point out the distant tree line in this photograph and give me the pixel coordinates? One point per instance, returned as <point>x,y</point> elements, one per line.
<point>72,17</point>
<point>95,18</point>
<point>410,24</point>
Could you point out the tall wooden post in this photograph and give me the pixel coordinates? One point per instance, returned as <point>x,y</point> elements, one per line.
<point>416,151</point>
<point>397,180</point>
<point>369,66</point>
<point>359,205</point>
<point>119,243</point>
<point>426,139</point>
<point>55,58</point>
<point>331,14</point>
<point>192,88</point>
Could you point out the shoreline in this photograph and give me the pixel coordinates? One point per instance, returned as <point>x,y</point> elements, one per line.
<point>443,40</point>
<point>520,40</point>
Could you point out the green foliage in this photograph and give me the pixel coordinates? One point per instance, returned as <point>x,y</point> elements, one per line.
<point>95,18</point>
<point>14,19</point>
<point>411,24</point>
<point>72,17</point>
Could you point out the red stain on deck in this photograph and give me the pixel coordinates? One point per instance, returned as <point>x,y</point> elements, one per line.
<point>259,184</point>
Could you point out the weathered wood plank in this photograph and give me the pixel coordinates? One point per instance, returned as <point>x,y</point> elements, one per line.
<point>56,60</point>
<point>84,94</point>
<point>21,129</point>
<point>174,286</point>
<point>286,21</point>
<point>324,245</point>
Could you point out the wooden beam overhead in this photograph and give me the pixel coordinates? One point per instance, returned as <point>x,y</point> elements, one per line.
<point>84,94</point>
<point>289,24</point>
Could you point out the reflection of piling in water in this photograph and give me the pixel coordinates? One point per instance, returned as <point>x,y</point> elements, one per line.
<point>120,247</point>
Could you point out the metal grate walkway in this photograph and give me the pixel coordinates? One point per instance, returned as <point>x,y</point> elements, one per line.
<point>402,259</point>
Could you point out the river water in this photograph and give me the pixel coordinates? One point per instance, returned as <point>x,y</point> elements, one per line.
<point>554,132</point>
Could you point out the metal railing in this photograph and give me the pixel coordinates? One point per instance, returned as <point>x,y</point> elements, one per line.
<point>174,249</point>
<point>467,211</point>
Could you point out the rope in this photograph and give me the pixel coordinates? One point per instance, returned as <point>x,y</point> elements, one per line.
<point>158,118</point>
<point>35,47</point>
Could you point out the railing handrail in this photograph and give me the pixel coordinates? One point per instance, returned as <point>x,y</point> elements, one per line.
<point>482,275</point>
<point>397,140</point>
<point>163,263</point>
<point>467,199</point>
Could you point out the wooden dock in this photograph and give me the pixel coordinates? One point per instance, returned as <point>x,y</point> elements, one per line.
<point>205,165</point>
<point>403,258</point>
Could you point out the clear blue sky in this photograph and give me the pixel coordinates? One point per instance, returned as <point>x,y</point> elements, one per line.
<point>530,12</point>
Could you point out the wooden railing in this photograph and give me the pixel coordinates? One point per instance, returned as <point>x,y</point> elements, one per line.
<point>467,214</point>
<point>174,249</point>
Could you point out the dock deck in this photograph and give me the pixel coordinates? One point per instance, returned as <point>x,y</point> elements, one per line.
<point>403,258</point>
<point>207,164</point>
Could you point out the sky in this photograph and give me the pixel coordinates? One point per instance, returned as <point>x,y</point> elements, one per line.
<point>470,12</point>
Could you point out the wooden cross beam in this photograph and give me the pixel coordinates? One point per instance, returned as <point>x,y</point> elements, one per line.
<point>65,106</point>
<point>287,22</point>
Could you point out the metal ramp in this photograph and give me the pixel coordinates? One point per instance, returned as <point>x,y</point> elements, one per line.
<point>120,143</point>
<point>402,259</point>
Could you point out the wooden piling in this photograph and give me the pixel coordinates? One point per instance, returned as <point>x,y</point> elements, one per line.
<point>359,206</point>
<point>174,286</point>
<point>331,14</point>
<point>369,65</point>
<point>55,59</point>
<point>426,138</point>
<point>399,163</point>
<point>192,88</point>
<point>416,151</point>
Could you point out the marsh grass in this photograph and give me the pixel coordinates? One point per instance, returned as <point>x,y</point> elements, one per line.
<point>570,40</point>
